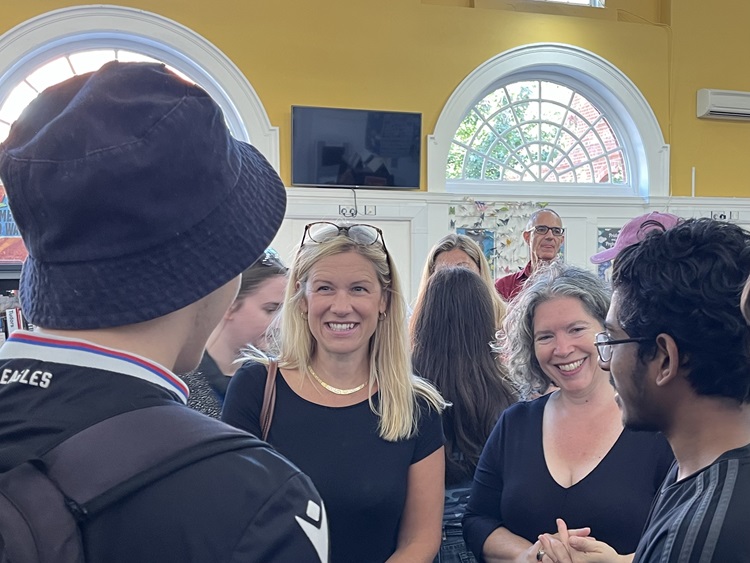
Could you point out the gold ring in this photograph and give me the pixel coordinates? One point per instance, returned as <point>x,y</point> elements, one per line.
<point>540,554</point>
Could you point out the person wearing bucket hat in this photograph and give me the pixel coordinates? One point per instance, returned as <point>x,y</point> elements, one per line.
<point>634,231</point>
<point>140,211</point>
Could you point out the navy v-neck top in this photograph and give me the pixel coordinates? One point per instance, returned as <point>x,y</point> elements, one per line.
<point>513,487</point>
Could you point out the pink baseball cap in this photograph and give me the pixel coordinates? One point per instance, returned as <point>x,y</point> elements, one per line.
<point>634,230</point>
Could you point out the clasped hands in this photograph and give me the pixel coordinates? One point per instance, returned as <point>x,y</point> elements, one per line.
<point>574,546</point>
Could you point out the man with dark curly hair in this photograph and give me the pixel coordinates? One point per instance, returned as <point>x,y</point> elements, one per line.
<point>678,351</point>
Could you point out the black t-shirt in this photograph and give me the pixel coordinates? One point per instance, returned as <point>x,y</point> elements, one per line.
<point>704,517</point>
<point>361,477</point>
<point>246,506</point>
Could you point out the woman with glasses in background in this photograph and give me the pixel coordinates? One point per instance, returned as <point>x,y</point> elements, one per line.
<point>462,251</point>
<point>564,455</point>
<point>349,412</point>
<point>244,324</point>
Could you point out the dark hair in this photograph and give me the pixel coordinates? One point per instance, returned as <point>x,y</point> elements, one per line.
<point>648,226</point>
<point>549,282</point>
<point>687,282</point>
<point>452,347</point>
<point>266,267</point>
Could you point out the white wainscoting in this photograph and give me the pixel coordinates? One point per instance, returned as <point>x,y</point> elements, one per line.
<point>412,221</point>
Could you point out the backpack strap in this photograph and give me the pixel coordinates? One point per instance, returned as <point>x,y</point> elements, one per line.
<point>128,451</point>
<point>95,468</point>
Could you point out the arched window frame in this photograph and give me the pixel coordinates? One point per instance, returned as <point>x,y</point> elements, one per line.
<point>53,34</point>
<point>595,78</point>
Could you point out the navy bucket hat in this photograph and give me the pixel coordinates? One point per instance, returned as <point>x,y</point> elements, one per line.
<point>132,197</point>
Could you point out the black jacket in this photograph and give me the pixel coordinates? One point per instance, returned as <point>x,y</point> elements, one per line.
<point>243,506</point>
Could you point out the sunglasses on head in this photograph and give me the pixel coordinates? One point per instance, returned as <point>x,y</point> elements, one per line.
<point>361,233</point>
<point>271,258</point>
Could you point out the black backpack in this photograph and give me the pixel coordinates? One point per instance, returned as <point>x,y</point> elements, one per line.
<point>43,501</point>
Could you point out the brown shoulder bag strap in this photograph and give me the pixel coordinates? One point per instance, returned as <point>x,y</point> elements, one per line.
<point>269,400</point>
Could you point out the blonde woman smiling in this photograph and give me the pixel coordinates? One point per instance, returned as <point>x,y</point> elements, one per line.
<point>349,412</point>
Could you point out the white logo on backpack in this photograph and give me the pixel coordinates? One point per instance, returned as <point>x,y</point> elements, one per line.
<point>318,535</point>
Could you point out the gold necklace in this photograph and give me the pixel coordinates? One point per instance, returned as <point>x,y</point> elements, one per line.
<point>333,389</point>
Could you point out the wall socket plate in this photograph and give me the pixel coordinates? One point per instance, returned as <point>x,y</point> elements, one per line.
<point>347,211</point>
<point>370,210</point>
<point>720,215</point>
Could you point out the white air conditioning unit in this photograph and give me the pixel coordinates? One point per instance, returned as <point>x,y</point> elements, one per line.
<point>723,104</point>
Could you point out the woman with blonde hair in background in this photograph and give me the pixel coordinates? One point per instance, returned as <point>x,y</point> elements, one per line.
<point>349,411</point>
<point>462,251</point>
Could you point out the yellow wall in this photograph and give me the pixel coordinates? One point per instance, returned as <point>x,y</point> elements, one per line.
<point>411,54</point>
<point>711,44</point>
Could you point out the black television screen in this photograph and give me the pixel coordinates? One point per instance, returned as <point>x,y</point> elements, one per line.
<point>355,148</point>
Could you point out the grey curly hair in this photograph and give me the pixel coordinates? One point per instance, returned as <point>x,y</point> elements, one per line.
<point>517,343</point>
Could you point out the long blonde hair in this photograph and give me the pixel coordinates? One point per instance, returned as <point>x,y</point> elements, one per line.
<point>390,364</point>
<point>466,244</point>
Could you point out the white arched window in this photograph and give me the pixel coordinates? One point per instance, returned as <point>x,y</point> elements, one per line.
<point>537,131</point>
<point>58,44</point>
<point>592,3</point>
<point>57,70</point>
<point>548,121</point>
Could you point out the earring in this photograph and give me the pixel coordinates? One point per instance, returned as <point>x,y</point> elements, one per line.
<point>381,316</point>
<point>303,315</point>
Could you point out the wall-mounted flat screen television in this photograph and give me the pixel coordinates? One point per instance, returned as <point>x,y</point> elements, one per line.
<point>353,148</point>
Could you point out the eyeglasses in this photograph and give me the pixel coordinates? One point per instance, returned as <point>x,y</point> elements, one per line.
<point>544,229</point>
<point>322,231</point>
<point>604,344</point>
